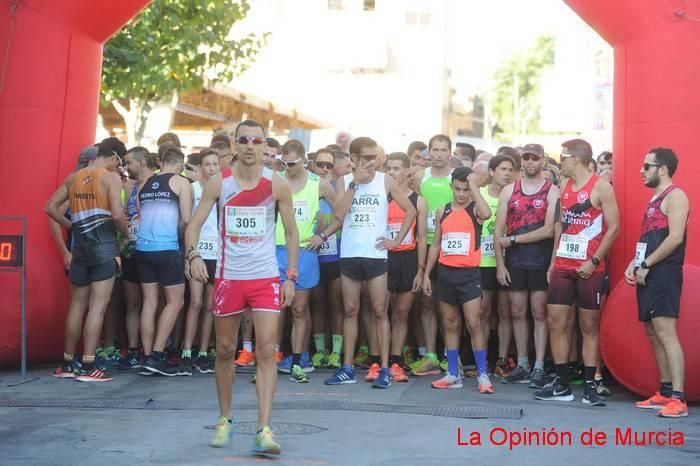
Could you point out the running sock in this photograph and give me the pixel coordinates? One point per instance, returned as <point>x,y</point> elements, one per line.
<point>678,395</point>
<point>337,343</point>
<point>320,342</point>
<point>422,351</point>
<point>666,389</point>
<point>67,358</point>
<point>203,354</point>
<point>453,362</point>
<point>589,373</point>
<point>523,362</point>
<point>562,371</point>
<point>374,360</point>
<point>480,358</point>
<point>296,359</point>
<point>186,353</point>
<point>88,359</point>
<point>248,346</point>
<point>277,348</point>
<point>539,365</point>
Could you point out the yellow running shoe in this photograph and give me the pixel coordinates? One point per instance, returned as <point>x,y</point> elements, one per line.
<point>222,433</point>
<point>265,443</point>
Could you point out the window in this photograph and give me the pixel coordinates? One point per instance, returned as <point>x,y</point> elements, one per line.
<point>368,5</point>
<point>335,4</point>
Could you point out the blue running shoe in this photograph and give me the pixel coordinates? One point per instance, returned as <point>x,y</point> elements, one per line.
<point>306,364</point>
<point>285,365</point>
<point>346,374</point>
<point>383,379</point>
<point>131,361</point>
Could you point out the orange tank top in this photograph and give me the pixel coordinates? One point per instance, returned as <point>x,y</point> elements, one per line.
<point>394,221</point>
<point>461,237</point>
<point>89,209</point>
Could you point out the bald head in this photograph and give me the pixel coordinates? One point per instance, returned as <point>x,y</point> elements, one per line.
<point>481,169</point>
<point>484,157</point>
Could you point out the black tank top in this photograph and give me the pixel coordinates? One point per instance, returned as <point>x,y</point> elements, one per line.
<point>527,213</point>
<point>655,231</point>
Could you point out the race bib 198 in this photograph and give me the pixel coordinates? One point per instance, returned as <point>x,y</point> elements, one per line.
<point>640,254</point>
<point>455,244</point>
<point>573,247</point>
<point>208,247</point>
<point>329,247</point>
<point>487,249</point>
<point>392,232</point>
<point>246,222</point>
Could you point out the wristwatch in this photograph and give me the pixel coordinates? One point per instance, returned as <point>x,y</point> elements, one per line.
<point>644,265</point>
<point>595,261</point>
<point>512,239</point>
<point>353,185</point>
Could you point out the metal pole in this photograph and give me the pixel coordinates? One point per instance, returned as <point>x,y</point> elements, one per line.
<point>24,298</point>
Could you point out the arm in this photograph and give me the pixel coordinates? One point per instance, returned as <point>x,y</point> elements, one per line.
<point>327,193</point>
<point>418,176</point>
<point>404,203</point>
<point>603,191</point>
<point>58,239</point>
<point>482,209</point>
<point>57,199</point>
<point>500,229</point>
<point>285,206</point>
<point>114,191</point>
<point>546,230</point>
<point>186,194</point>
<point>433,253</point>
<point>210,193</point>
<point>421,246</point>
<point>343,199</point>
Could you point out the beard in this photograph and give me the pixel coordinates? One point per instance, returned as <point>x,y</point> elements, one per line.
<point>653,181</point>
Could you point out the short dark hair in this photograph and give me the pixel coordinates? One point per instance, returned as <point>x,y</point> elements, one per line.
<point>249,123</point>
<point>579,148</point>
<point>139,153</point>
<point>666,157</point>
<point>206,153</point>
<point>220,138</point>
<point>340,155</point>
<point>169,137</point>
<point>606,154</point>
<point>220,144</point>
<point>461,174</point>
<point>471,150</point>
<point>513,153</point>
<point>111,146</point>
<point>499,159</point>
<point>152,161</point>
<point>274,143</point>
<point>294,145</point>
<point>401,157</point>
<point>440,137</point>
<point>360,143</point>
<point>172,155</point>
<point>193,159</point>
<point>416,145</point>
<point>333,147</point>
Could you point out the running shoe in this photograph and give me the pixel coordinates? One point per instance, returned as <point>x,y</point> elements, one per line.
<point>443,364</point>
<point>674,408</point>
<point>222,433</point>
<point>305,362</point>
<point>383,379</point>
<point>554,391</point>
<point>130,361</point>
<point>212,354</point>
<point>373,373</point>
<point>64,371</point>
<point>658,401</point>
<point>447,381</point>
<point>245,359</point>
<point>427,366</point>
<point>518,375</point>
<point>537,379</point>
<point>92,375</point>
<point>185,366</point>
<point>160,365</point>
<point>279,356</point>
<point>265,443</point>
<point>174,358</point>
<point>285,366</point>
<point>362,356</point>
<point>485,385</point>
<point>107,360</point>
<point>298,375</point>
<point>334,361</point>
<point>601,388</point>
<point>319,359</point>
<point>591,397</point>
<point>576,374</point>
<point>346,374</point>
<point>398,374</point>
<point>408,355</point>
<point>204,364</point>
<point>502,370</point>
<point>254,379</point>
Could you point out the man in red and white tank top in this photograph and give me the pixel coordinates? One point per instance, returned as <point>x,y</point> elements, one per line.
<point>247,273</point>
<point>587,227</point>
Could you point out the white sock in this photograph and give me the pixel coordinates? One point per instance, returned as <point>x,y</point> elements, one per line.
<point>277,348</point>
<point>422,351</point>
<point>248,346</point>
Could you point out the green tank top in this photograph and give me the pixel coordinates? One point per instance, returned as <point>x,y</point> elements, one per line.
<point>488,256</point>
<point>306,206</point>
<point>436,192</point>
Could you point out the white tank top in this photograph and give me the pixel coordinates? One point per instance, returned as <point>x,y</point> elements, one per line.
<point>367,220</point>
<point>209,234</point>
<point>247,229</point>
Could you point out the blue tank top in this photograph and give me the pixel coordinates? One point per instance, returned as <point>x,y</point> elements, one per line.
<point>159,215</point>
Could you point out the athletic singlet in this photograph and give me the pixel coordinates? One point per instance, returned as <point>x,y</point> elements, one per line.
<point>306,207</point>
<point>208,245</point>
<point>93,232</point>
<point>488,253</point>
<point>366,221</point>
<point>654,232</point>
<point>131,209</point>
<point>159,215</point>
<point>329,250</point>
<point>437,192</point>
<point>527,213</point>
<point>461,237</point>
<point>395,220</point>
<point>247,229</point>
<point>582,228</point>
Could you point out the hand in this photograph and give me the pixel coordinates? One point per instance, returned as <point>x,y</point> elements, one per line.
<point>427,287</point>
<point>314,243</point>
<point>361,175</point>
<point>67,258</point>
<point>586,270</point>
<point>642,276</point>
<point>505,242</point>
<point>503,276</point>
<point>549,273</point>
<point>287,293</point>
<point>630,276</point>
<point>417,281</point>
<point>386,243</point>
<point>473,180</point>
<point>198,270</point>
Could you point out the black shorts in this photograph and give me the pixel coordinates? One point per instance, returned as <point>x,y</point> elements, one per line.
<point>329,271</point>
<point>403,266</point>
<point>661,296</point>
<point>566,287</point>
<point>83,275</point>
<point>362,268</point>
<point>458,285</point>
<point>130,269</point>
<point>164,267</point>
<point>527,280</point>
<point>211,270</point>
<point>489,282</point>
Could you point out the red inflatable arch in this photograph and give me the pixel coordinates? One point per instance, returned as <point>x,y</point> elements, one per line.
<point>48,107</point>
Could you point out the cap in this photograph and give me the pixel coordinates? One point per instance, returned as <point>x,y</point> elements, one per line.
<point>87,155</point>
<point>535,149</point>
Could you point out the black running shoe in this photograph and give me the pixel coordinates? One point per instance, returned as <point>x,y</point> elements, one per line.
<point>554,391</point>
<point>160,365</point>
<point>185,366</point>
<point>537,379</point>
<point>130,361</point>
<point>518,375</point>
<point>204,365</point>
<point>590,395</point>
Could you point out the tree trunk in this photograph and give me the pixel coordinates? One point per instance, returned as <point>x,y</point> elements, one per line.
<point>135,118</point>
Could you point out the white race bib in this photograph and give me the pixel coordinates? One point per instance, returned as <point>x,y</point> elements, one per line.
<point>301,210</point>
<point>487,249</point>
<point>329,247</point>
<point>208,247</point>
<point>431,221</point>
<point>392,232</point>
<point>246,222</point>
<point>455,244</point>
<point>363,217</point>
<point>640,254</point>
<point>133,229</point>
<point>573,247</point>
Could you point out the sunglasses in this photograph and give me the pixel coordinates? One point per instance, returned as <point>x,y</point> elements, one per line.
<point>533,157</point>
<point>189,167</point>
<point>325,165</point>
<point>121,161</point>
<point>256,140</point>
<point>368,158</point>
<point>566,156</point>
<point>647,166</point>
<point>290,164</point>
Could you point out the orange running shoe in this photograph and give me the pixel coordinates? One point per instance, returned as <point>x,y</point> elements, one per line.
<point>279,357</point>
<point>245,358</point>
<point>398,374</point>
<point>674,408</point>
<point>447,381</point>
<point>373,373</point>
<point>657,401</point>
<point>485,385</point>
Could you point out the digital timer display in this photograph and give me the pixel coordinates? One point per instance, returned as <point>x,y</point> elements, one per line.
<point>11,251</point>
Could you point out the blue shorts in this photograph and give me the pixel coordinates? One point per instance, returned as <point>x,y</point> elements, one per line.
<point>308,270</point>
